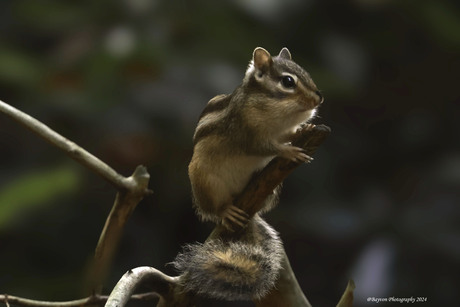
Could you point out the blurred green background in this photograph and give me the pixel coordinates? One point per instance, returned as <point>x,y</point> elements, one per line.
<point>127,80</point>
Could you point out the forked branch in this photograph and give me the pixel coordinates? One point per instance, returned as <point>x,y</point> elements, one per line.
<point>131,190</point>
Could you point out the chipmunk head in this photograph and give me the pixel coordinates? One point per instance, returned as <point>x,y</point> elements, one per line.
<point>281,78</point>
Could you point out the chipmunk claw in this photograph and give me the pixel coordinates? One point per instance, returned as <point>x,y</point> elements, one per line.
<point>295,154</point>
<point>234,216</point>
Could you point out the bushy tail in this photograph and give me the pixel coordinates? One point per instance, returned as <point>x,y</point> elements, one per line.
<point>234,270</point>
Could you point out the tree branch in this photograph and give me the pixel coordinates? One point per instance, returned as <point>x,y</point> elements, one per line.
<point>125,203</point>
<point>131,190</point>
<point>163,284</point>
<point>88,301</point>
<point>287,291</point>
<point>70,148</point>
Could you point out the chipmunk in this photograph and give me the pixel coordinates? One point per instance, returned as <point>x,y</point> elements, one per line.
<point>236,136</point>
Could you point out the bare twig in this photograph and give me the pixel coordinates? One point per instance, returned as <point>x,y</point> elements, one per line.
<point>125,203</point>
<point>87,301</point>
<point>163,284</point>
<point>91,300</point>
<point>70,148</point>
<point>131,190</point>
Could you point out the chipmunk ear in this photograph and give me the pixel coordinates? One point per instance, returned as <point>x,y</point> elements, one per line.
<point>261,59</point>
<point>285,54</point>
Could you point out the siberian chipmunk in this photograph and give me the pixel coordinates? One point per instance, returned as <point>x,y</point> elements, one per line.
<point>238,134</point>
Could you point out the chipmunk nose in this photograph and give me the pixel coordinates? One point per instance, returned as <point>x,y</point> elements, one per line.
<point>321,98</point>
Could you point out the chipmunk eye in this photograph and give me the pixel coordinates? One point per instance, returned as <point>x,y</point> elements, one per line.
<point>288,82</point>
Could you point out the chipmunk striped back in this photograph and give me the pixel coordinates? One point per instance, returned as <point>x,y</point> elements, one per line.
<point>211,117</point>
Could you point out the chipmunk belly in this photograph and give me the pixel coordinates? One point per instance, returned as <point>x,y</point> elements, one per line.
<point>236,170</point>
<point>229,175</point>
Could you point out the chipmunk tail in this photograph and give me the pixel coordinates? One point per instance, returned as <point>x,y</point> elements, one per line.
<point>234,270</point>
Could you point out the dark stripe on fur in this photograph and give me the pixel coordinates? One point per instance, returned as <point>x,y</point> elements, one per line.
<point>216,104</point>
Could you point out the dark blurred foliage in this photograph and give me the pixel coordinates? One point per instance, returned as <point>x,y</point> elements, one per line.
<point>127,81</point>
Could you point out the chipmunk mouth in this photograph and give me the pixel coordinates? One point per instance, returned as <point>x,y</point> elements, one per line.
<point>307,105</point>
